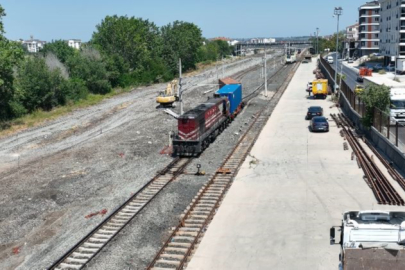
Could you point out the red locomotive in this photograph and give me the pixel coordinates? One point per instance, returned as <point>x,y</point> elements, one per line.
<point>200,126</point>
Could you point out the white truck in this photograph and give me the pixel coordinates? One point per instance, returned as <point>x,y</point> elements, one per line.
<point>397,108</point>
<point>397,96</point>
<point>400,66</point>
<point>371,240</point>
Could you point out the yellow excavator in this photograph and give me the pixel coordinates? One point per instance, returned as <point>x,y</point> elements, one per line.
<point>169,96</point>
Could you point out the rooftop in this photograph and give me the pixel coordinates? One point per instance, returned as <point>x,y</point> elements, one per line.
<point>372,4</point>
<point>200,109</point>
<point>387,79</point>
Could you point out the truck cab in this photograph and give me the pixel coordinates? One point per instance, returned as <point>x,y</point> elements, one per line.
<point>397,107</point>
<point>371,240</point>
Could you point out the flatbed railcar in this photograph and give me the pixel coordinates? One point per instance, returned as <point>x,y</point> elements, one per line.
<point>199,127</point>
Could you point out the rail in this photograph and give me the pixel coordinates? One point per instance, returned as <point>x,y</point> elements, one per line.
<point>79,255</point>
<point>89,246</point>
<point>382,189</point>
<point>183,240</point>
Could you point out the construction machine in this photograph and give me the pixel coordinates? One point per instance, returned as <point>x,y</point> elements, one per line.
<point>169,96</point>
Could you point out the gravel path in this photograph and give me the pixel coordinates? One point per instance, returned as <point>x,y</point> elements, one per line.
<point>93,159</point>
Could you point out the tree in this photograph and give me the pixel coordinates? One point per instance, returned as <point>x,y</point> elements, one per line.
<point>38,87</point>
<point>374,96</point>
<point>329,43</point>
<point>11,53</point>
<point>59,48</point>
<point>132,41</point>
<point>181,40</point>
<point>91,70</point>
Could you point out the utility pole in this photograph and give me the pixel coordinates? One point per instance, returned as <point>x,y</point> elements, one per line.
<point>180,91</point>
<point>265,73</point>
<point>223,67</point>
<point>338,11</point>
<point>317,40</point>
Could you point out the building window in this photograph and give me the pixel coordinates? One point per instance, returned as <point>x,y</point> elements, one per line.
<point>376,43</point>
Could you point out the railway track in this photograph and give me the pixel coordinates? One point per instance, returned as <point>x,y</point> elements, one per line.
<point>78,256</point>
<point>184,238</point>
<point>382,189</point>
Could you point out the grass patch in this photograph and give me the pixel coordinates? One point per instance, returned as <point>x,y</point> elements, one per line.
<point>40,116</point>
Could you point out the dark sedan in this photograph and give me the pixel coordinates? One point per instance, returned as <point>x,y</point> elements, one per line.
<point>319,123</point>
<point>314,111</point>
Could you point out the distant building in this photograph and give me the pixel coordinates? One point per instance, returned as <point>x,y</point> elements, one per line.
<point>262,40</point>
<point>369,28</point>
<point>352,40</point>
<point>74,43</point>
<point>33,45</point>
<point>230,42</point>
<point>392,36</point>
<point>233,42</point>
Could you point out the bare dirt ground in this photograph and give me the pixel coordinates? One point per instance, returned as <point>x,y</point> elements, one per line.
<point>55,175</point>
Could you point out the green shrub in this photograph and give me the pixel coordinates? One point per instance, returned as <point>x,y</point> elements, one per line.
<point>75,89</point>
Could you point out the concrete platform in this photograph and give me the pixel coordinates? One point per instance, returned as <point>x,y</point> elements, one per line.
<point>278,212</point>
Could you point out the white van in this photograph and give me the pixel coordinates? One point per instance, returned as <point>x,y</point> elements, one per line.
<point>330,59</point>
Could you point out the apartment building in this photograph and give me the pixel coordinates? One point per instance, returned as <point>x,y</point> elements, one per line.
<point>74,43</point>
<point>351,41</point>
<point>392,36</point>
<point>33,45</point>
<point>369,28</point>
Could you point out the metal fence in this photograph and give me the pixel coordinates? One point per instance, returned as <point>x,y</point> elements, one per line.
<point>388,127</point>
<point>355,102</point>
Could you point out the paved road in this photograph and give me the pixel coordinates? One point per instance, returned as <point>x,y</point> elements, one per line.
<point>293,186</point>
<point>351,74</point>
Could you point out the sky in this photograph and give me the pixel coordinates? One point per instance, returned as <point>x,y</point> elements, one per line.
<point>58,19</point>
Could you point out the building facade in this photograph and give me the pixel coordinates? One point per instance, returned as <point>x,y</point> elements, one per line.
<point>262,40</point>
<point>369,28</point>
<point>74,43</point>
<point>33,45</point>
<point>352,40</point>
<point>392,36</point>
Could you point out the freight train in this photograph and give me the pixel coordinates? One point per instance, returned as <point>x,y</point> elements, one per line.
<point>199,127</point>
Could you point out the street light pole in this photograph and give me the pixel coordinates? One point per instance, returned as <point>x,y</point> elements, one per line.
<point>265,73</point>
<point>317,40</point>
<point>338,11</point>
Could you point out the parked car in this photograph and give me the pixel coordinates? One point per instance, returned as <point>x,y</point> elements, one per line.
<point>314,111</point>
<point>390,67</point>
<point>350,60</point>
<point>377,67</point>
<point>330,59</point>
<point>319,123</point>
<point>359,78</point>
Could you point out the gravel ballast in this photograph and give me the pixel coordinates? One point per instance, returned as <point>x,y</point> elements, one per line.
<point>94,159</point>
